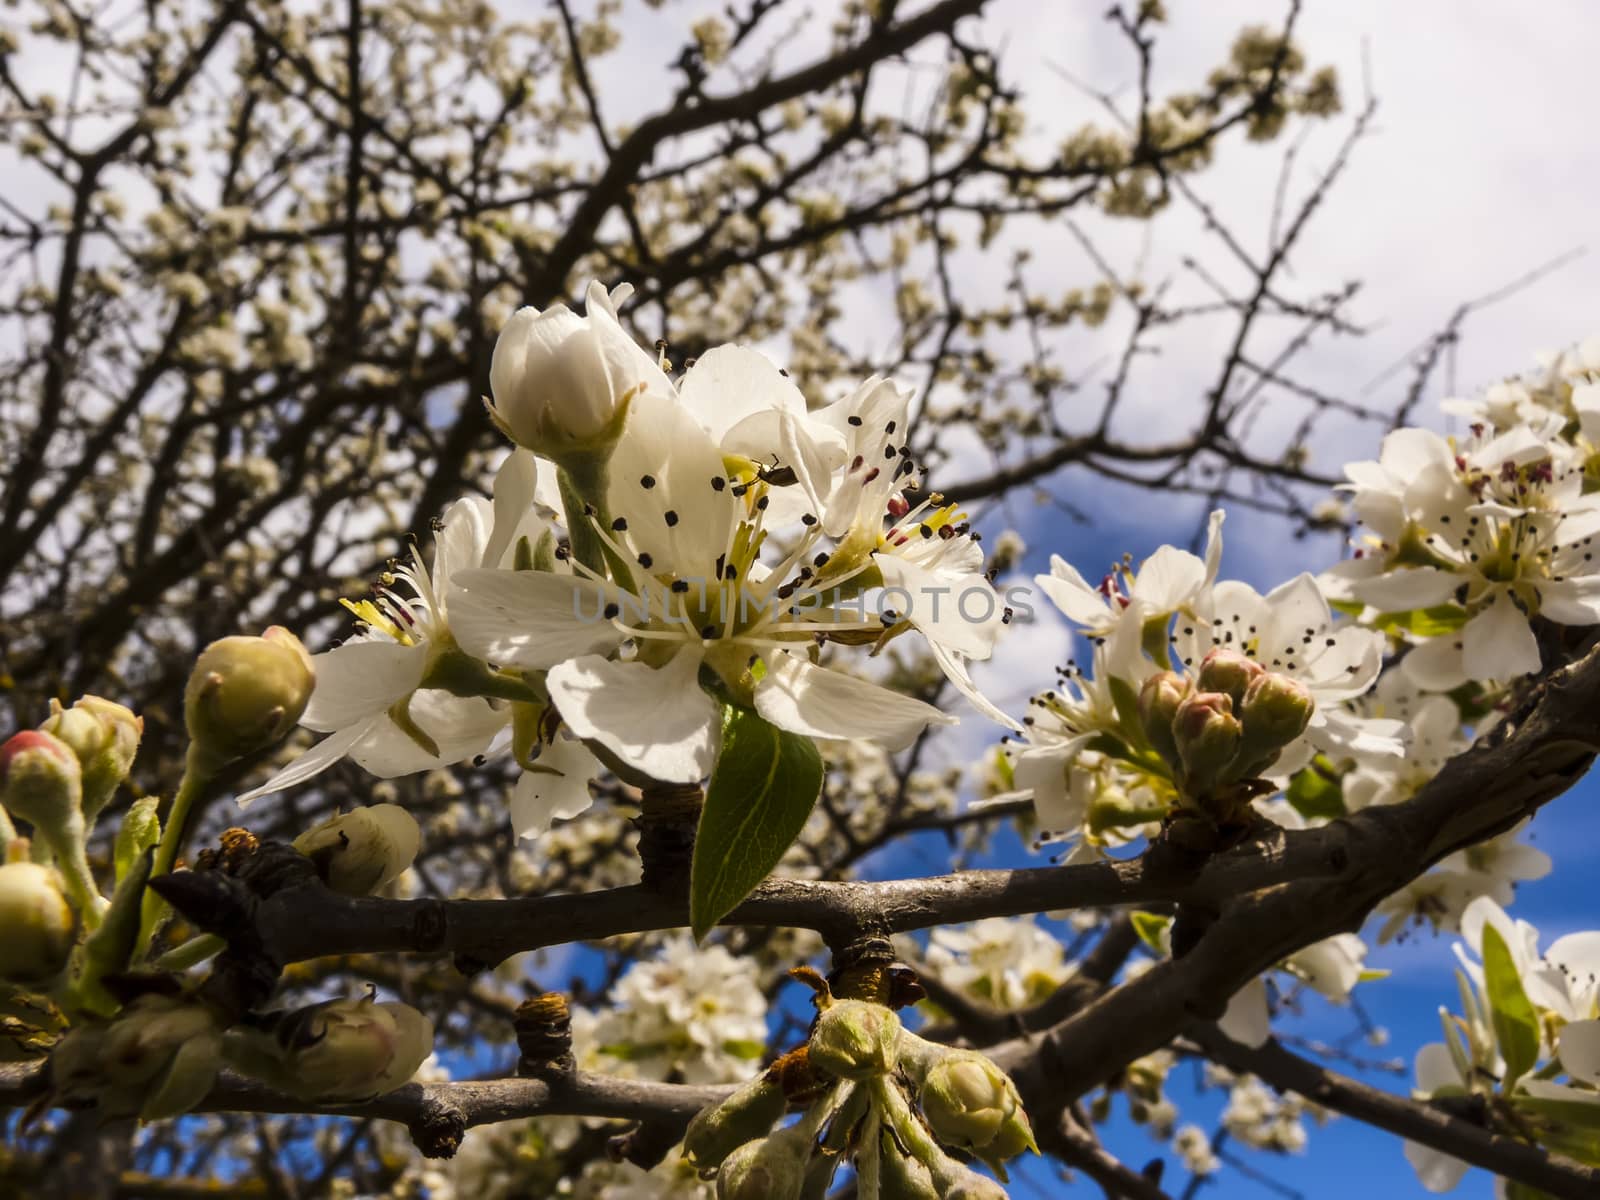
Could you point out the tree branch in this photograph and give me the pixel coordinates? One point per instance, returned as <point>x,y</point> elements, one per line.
<point>1552,1173</point>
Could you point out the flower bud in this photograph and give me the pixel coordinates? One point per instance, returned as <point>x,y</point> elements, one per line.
<point>1158,708</point>
<point>245,693</point>
<point>962,1183</point>
<point>341,1050</point>
<point>158,1059</point>
<point>1207,735</point>
<point>902,1177</point>
<point>561,382</point>
<point>718,1130</point>
<point>363,850</point>
<point>1276,710</point>
<point>972,1104</point>
<point>37,921</point>
<point>773,1168</point>
<point>41,781</point>
<point>1229,672</point>
<point>855,1039</point>
<point>105,736</point>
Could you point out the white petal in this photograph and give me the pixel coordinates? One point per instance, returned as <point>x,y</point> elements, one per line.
<point>1498,643</point>
<point>1071,593</point>
<point>1407,451</point>
<point>1332,966</point>
<point>1168,578</point>
<point>1571,601</point>
<point>313,762</point>
<point>516,484</point>
<point>665,463</point>
<point>1298,610</point>
<point>460,727</point>
<point>1342,664</point>
<point>359,679</point>
<point>1044,771</point>
<point>802,698</point>
<point>1435,665</point>
<point>1579,1050</point>
<point>955,670</point>
<point>462,540</point>
<point>1415,587</point>
<point>657,721</point>
<point>1213,554</point>
<point>959,612</point>
<point>1247,1019</point>
<point>1436,1171</point>
<point>534,619</point>
<point>558,790</point>
<point>729,383</point>
<point>1577,954</point>
<point>1436,1068</point>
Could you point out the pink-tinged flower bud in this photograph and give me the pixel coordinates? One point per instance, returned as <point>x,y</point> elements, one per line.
<point>363,850</point>
<point>37,923</point>
<point>105,736</point>
<point>1276,710</point>
<point>855,1039</point>
<point>561,382</point>
<point>1229,672</point>
<point>972,1104</point>
<point>245,693</point>
<point>1207,734</point>
<point>773,1168</point>
<point>720,1129</point>
<point>1158,708</point>
<point>41,781</point>
<point>339,1050</point>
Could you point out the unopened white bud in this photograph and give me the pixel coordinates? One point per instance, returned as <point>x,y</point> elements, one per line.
<point>363,850</point>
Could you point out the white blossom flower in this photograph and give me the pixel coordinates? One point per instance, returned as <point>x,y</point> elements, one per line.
<point>1006,962</point>
<point>372,695</point>
<point>1498,527</point>
<point>701,607</point>
<point>692,1014</point>
<point>1193,1146</point>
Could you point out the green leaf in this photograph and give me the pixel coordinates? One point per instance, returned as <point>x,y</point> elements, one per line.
<point>1570,1127</point>
<point>747,1048</point>
<point>1434,621</point>
<point>1316,792</point>
<point>139,831</point>
<point>1516,1025</point>
<point>1152,930</point>
<point>763,788</point>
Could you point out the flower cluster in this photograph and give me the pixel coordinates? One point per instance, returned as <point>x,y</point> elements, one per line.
<point>1005,962</point>
<point>875,1093</point>
<point>1527,1043</point>
<point>687,1013</point>
<point>657,550</point>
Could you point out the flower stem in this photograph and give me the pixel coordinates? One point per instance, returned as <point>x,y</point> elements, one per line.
<point>583,480</point>
<point>191,788</point>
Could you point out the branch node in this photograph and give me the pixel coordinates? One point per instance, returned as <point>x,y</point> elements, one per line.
<point>543,1025</point>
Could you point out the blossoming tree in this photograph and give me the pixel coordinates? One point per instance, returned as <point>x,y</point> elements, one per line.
<point>660,670</point>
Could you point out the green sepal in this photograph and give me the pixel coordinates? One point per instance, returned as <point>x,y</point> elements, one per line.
<point>140,830</point>
<point>109,949</point>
